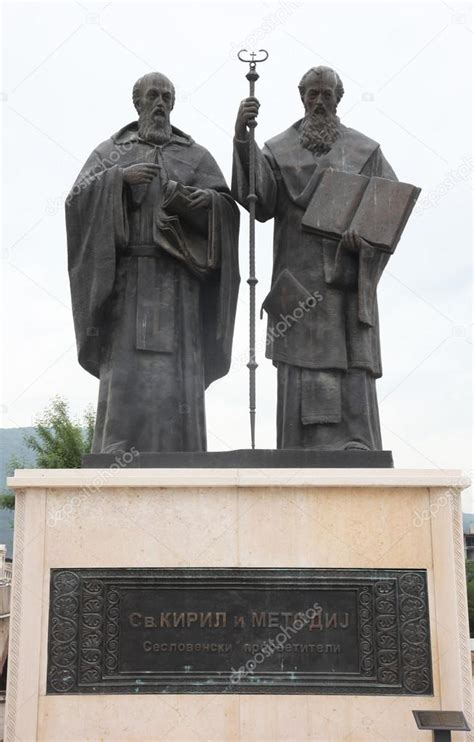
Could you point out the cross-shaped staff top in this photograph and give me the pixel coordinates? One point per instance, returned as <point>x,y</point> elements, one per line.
<point>253,57</point>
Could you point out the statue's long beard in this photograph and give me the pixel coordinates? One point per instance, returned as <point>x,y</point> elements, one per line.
<point>318,132</point>
<point>151,130</point>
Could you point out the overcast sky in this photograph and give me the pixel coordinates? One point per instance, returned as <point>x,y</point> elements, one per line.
<point>69,69</point>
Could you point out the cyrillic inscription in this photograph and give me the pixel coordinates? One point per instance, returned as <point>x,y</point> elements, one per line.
<point>239,631</point>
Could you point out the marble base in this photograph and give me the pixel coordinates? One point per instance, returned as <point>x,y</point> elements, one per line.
<point>339,518</point>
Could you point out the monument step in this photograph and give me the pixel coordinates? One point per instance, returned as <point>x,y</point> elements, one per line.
<point>244,459</point>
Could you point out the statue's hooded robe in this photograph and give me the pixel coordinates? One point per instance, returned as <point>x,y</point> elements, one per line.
<point>154,289</point>
<point>328,358</point>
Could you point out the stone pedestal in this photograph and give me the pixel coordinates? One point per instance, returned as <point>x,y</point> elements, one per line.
<point>344,519</point>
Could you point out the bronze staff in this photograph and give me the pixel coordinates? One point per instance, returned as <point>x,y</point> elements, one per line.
<point>252,76</point>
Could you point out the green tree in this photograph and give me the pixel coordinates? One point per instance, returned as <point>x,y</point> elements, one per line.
<point>59,441</point>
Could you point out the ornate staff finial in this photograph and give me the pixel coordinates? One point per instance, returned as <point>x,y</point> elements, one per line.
<point>253,61</point>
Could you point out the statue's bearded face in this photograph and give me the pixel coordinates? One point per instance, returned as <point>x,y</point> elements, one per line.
<point>155,106</point>
<point>320,126</point>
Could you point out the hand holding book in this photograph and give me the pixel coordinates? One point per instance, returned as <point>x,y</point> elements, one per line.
<point>352,241</point>
<point>189,204</point>
<point>183,228</point>
<point>199,199</point>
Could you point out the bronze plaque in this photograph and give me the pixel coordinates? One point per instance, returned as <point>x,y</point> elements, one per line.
<point>239,631</point>
<point>451,721</point>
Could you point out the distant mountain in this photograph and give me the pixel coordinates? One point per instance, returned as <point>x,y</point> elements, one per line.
<point>12,444</point>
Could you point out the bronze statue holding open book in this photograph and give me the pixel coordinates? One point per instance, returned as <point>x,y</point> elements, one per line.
<point>153,264</point>
<point>339,212</point>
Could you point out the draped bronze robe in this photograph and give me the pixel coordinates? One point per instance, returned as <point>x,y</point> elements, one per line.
<point>329,358</point>
<point>153,298</point>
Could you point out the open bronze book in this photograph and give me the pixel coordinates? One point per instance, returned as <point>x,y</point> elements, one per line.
<point>376,208</point>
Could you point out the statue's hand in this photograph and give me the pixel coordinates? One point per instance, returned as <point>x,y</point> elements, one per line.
<point>248,111</point>
<point>352,241</point>
<point>144,172</point>
<point>200,199</point>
